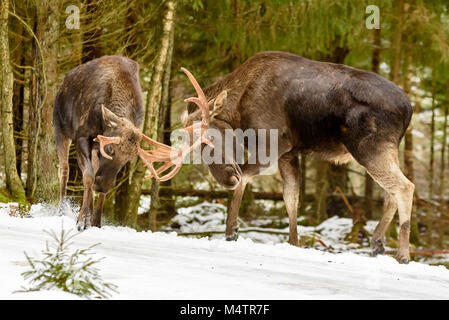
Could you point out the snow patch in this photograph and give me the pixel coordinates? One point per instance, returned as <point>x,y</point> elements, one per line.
<point>146,265</point>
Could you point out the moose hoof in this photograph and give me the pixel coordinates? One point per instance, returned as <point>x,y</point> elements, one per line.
<point>64,207</point>
<point>378,251</point>
<point>83,223</point>
<point>234,236</point>
<point>403,258</point>
<point>80,226</point>
<point>378,247</point>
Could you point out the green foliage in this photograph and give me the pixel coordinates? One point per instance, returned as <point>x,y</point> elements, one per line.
<point>20,210</point>
<point>4,196</point>
<point>73,272</point>
<point>20,197</point>
<point>24,210</point>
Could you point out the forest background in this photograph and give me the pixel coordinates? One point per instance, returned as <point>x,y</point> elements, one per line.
<point>41,40</point>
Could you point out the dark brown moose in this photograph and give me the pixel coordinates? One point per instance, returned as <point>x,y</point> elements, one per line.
<point>332,111</point>
<point>99,108</point>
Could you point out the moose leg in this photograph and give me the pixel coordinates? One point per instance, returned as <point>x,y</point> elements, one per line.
<point>83,154</point>
<point>378,240</point>
<point>289,169</point>
<point>233,212</point>
<point>96,217</point>
<point>249,170</point>
<point>63,147</point>
<point>386,172</point>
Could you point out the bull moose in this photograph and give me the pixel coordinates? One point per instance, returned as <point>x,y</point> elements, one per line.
<point>99,108</point>
<point>331,111</point>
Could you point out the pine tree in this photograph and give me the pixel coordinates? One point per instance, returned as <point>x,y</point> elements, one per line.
<point>13,180</point>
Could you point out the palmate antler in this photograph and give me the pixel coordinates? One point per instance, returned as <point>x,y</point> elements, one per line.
<point>163,153</point>
<point>172,156</point>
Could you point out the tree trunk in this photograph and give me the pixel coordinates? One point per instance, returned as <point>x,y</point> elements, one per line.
<point>235,50</point>
<point>18,96</point>
<point>157,205</point>
<point>443,155</point>
<point>443,203</point>
<point>12,177</point>
<point>91,36</point>
<point>321,190</point>
<point>338,177</point>
<point>397,40</point>
<point>131,20</point>
<point>152,109</point>
<point>46,187</point>
<point>33,119</point>
<point>302,186</point>
<point>121,193</point>
<point>432,143</point>
<point>166,205</point>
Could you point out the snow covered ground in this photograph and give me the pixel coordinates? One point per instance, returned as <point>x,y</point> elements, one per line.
<point>148,265</point>
<point>206,217</point>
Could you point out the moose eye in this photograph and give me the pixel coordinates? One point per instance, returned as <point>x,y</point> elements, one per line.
<point>109,150</point>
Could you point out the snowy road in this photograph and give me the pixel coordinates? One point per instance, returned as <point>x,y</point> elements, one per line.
<point>164,266</point>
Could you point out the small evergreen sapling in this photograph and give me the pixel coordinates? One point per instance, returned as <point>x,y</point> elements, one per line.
<point>72,272</point>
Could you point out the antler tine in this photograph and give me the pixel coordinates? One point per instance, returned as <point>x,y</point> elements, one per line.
<point>170,175</point>
<point>156,143</point>
<point>177,162</point>
<point>201,100</point>
<point>164,167</point>
<point>157,156</point>
<point>195,84</point>
<point>168,163</point>
<point>172,156</point>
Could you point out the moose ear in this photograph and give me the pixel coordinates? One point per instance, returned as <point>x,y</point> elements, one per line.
<point>219,102</point>
<point>109,118</point>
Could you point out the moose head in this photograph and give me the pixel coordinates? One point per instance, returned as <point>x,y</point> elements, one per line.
<point>121,140</point>
<point>225,171</point>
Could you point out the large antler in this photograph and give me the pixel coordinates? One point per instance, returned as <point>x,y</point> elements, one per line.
<point>200,101</point>
<point>172,156</point>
